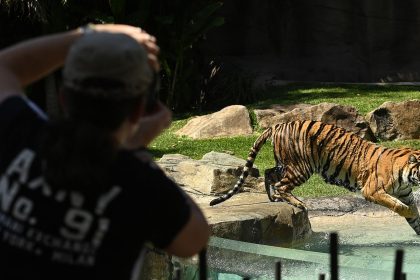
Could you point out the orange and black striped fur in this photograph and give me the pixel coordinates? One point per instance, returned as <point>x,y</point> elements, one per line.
<point>301,148</point>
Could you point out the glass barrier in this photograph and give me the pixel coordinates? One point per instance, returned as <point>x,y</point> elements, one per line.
<point>230,260</point>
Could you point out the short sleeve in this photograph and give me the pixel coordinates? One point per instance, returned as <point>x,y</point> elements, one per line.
<point>20,120</point>
<point>158,208</point>
<point>9,111</point>
<point>167,209</point>
<point>18,108</point>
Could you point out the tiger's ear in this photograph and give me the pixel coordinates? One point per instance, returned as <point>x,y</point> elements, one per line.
<point>412,159</point>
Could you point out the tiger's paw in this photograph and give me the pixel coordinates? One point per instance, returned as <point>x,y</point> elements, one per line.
<point>300,205</point>
<point>406,211</point>
<point>290,199</point>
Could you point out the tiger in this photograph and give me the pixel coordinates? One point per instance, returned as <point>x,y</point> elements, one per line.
<point>384,176</point>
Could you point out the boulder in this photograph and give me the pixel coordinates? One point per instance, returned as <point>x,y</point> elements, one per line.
<point>277,224</point>
<point>247,216</point>
<point>251,217</point>
<point>396,120</point>
<point>215,173</point>
<point>230,121</point>
<point>346,117</point>
<point>268,117</point>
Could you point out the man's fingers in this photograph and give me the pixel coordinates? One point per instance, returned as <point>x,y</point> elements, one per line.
<point>141,36</point>
<point>151,38</point>
<point>153,62</point>
<point>151,47</point>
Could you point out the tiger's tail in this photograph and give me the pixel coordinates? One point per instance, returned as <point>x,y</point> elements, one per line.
<point>249,163</point>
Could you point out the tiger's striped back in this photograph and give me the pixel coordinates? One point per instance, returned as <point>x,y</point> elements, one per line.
<point>307,147</point>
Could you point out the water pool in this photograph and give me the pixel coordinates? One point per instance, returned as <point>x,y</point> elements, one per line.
<point>232,260</point>
<point>368,241</point>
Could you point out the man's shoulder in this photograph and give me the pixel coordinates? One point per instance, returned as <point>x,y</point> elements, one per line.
<point>137,165</point>
<point>21,123</point>
<point>137,158</point>
<point>17,105</point>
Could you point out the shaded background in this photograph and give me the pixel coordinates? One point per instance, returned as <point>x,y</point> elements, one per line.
<point>323,40</point>
<point>217,53</point>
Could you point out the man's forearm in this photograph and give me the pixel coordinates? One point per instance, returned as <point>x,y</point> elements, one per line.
<point>35,58</point>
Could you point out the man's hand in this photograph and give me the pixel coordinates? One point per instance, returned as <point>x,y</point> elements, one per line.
<point>31,60</point>
<point>141,36</point>
<point>150,126</point>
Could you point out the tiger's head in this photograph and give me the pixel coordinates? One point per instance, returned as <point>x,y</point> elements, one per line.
<point>412,169</point>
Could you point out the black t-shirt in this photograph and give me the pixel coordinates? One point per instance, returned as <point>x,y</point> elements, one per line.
<point>52,233</point>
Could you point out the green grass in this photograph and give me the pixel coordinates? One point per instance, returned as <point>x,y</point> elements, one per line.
<point>363,98</point>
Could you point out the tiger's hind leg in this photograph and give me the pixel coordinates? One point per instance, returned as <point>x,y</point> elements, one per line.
<point>271,177</point>
<point>282,189</point>
<point>282,193</point>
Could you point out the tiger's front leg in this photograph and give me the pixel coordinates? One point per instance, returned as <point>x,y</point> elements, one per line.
<point>406,207</point>
<point>415,221</point>
<point>380,196</point>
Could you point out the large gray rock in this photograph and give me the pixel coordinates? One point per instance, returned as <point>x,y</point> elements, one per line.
<point>251,217</point>
<point>396,120</point>
<point>280,225</point>
<point>214,173</point>
<point>230,121</point>
<point>247,216</point>
<point>336,206</point>
<point>346,117</point>
<point>268,117</point>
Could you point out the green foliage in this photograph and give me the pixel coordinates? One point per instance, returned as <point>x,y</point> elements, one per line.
<point>181,61</point>
<point>179,26</point>
<point>117,9</point>
<point>413,144</point>
<point>227,84</point>
<point>32,10</point>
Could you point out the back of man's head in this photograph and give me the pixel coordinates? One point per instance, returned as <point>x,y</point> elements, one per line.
<point>117,60</point>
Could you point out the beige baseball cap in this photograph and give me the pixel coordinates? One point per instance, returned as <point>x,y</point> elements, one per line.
<point>109,56</point>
